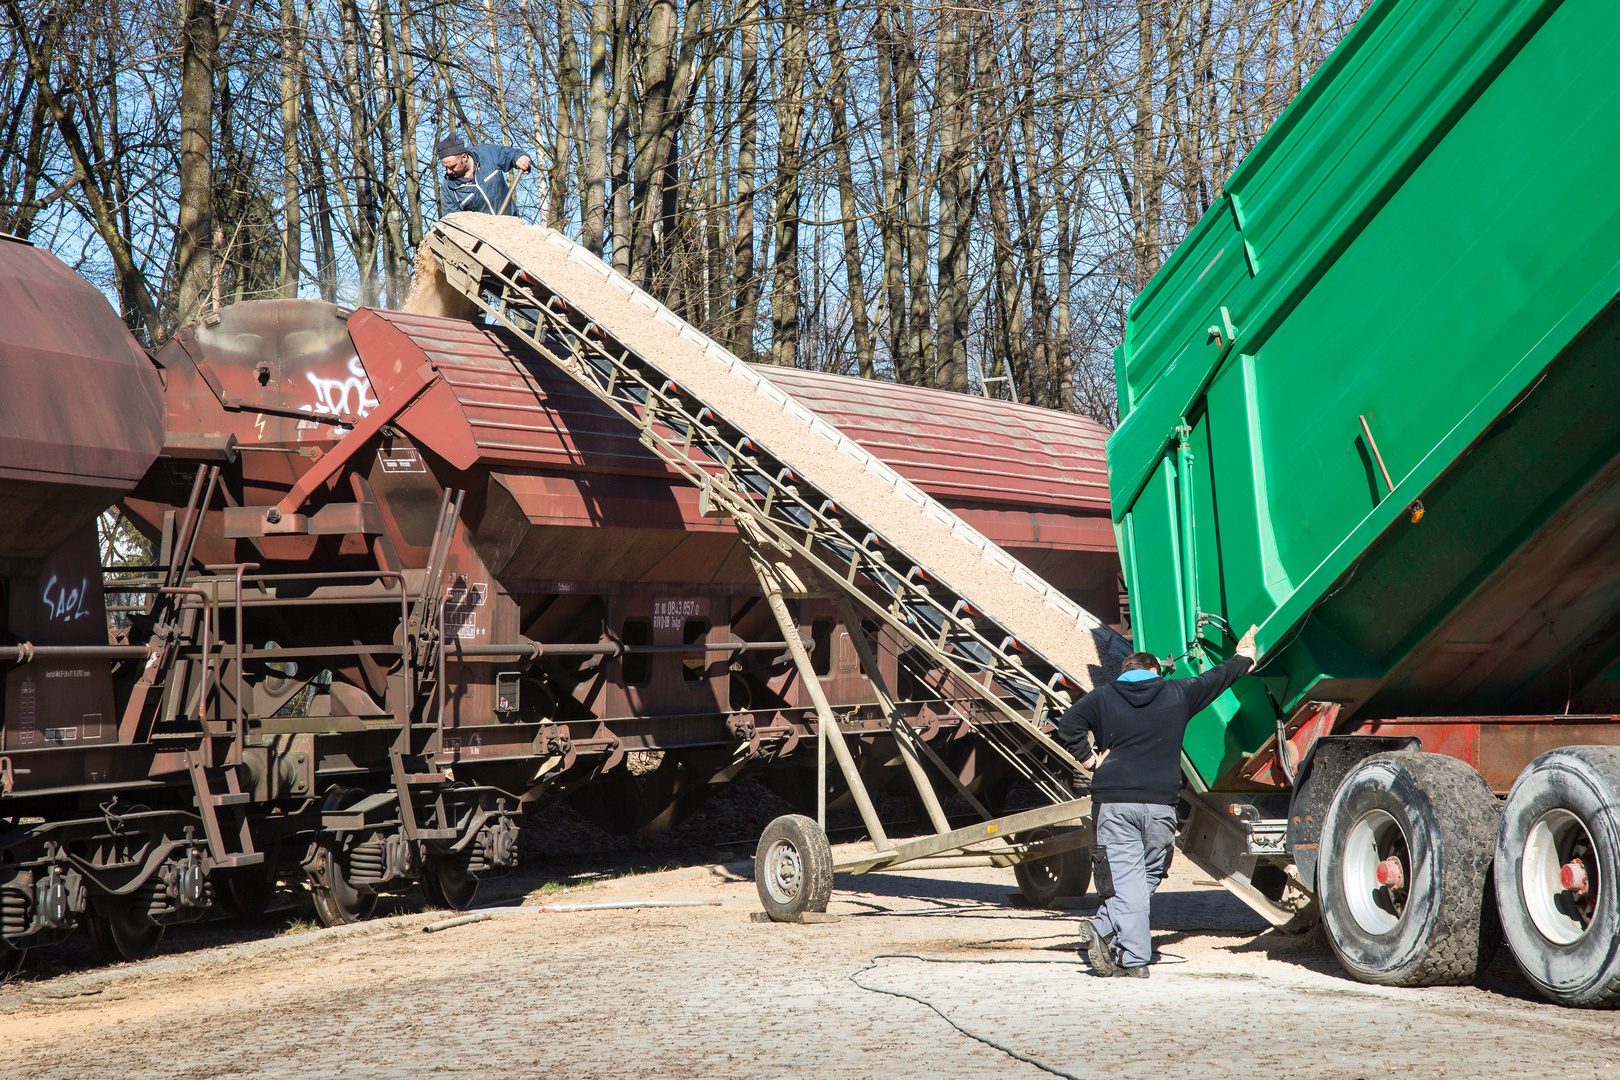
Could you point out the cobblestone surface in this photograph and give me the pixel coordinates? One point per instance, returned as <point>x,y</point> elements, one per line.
<point>705,992</point>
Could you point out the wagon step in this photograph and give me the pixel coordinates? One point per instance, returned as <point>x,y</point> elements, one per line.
<point>226,798</point>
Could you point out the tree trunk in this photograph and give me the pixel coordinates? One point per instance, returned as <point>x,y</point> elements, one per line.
<point>292,68</point>
<point>497,70</point>
<point>139,309</point>
<point>668,73</point>
<point>325,238</point>
<point>199,55</point>
<point>621,140</point>
<point>409,116</point>
<point>365,186</point>
<point>948,72</point>
<point>596,170</point>
<point>890,218</point>
<point>785,328</point>
<point>1062,396</point>
<point>848,210</point>
<point>919,347</point>
<point>1003,256</point>
<point>396,260</point>
<point>747,304</point>
<point>567,91</point>
<point>712,266</point>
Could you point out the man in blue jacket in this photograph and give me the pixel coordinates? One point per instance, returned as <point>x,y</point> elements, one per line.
<point>1129,733</point>
<point>475,176</point>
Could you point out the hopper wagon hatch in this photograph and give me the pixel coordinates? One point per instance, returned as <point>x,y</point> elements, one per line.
<point>1369,405</point>
<point>409,576</point>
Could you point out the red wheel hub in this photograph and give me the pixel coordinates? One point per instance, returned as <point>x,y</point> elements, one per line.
<point>1572,876</point>
<point>1391,874</point>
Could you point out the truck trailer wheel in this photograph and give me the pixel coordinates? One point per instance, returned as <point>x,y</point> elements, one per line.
<point>1043,881</point>
<point>1557,867</point>
<point>793,867</point>
<point>1405,862</point>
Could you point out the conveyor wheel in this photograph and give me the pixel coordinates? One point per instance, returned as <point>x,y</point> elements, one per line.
<point>448,882</point>
<point>1044,881</point>
<point>1405,861</point>
<point>120,931</point>
<point>793,867</point>
<point>1557,864</point>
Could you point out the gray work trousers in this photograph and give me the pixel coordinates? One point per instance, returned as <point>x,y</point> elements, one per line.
<point>1135,842</point>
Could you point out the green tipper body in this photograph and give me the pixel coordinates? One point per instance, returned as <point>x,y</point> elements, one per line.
<point>1428,240</point>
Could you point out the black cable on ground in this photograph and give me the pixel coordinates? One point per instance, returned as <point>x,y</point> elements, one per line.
<point>1027,1059</point>
<point>986,1040</point>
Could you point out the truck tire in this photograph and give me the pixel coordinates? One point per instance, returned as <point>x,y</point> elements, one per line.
<point>1557,871</point>
<point>793,867</point>
<point>1426,823</point>
<point>1044,881</point>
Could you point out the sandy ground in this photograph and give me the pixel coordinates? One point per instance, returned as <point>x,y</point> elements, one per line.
<point>705,992</point>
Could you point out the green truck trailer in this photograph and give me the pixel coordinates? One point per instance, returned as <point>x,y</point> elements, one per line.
<point>1371,406</point>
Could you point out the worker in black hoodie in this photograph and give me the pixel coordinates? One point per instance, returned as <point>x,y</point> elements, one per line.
<point>1129,733</point>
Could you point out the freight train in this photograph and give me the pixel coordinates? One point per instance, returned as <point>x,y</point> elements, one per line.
<point>408,580</point>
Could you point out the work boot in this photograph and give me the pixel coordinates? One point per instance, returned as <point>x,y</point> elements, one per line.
<point>1096,949</point>
<point>1120,971</point>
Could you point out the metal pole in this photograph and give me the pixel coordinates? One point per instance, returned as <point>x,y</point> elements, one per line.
<point>827,726</point>
<point>196,529</point>
<point>902,740</point>
<point>821,775</point>
<point>238,737</point>
<point>903,733</point>
<point>207,639</point>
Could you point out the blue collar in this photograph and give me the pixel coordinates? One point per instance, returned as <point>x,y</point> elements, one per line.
<point>1138,675</point>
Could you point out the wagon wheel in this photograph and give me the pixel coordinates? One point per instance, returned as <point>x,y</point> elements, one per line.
<point>121,931</point>
<point>337,900</point>
<point>448,882</point>
<point>244,894</point>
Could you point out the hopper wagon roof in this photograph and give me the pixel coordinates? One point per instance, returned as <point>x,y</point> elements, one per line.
<point>81,418</point>
<point>1023,475</point>
<point>83,402</point>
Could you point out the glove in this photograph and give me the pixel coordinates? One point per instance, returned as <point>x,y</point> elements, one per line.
<point>1245,647</point>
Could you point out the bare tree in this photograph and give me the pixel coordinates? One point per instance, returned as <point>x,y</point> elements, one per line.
<point>922,192</point>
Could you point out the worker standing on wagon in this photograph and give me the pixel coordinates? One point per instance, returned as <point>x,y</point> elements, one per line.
<point>475,176</point>
<point>1129,733</point>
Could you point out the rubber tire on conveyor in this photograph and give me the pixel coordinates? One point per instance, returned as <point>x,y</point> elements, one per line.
<point>1043,882</point>
<point>814,879</point>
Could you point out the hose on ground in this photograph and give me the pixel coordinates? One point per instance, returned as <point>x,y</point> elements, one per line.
<point>1028,1059</point>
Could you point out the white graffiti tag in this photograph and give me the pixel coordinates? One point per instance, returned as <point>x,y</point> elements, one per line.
<point>332,395</point>
<point>63,604</point>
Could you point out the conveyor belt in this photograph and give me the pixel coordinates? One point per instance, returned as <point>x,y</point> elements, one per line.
<point>778,501</point>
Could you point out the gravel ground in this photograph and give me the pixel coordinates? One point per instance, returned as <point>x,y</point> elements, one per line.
<point>705,992</point>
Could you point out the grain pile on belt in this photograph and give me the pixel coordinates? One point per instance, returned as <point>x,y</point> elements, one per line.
<point>1070,643</point>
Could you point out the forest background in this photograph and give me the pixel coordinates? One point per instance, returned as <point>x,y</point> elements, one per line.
<point>940,194</point>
